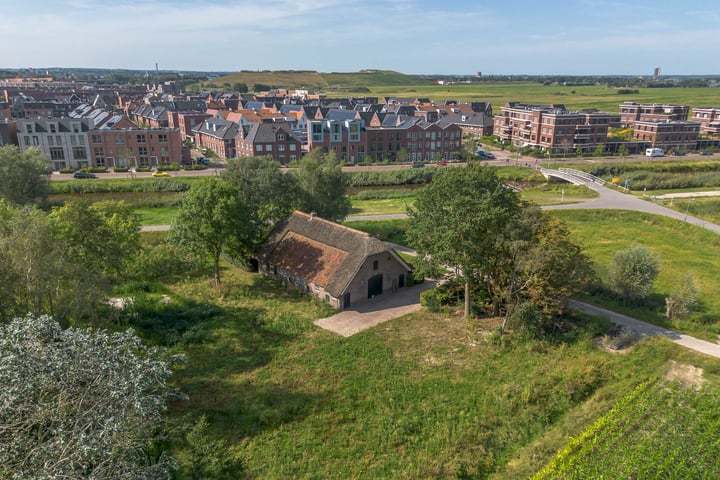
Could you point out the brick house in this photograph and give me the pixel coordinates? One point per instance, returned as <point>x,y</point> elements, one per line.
<point>218,135</point>
<point>346,138</point>
<point>337,264</point>
<point>186,122</point>
<point>123,144</point>
<point>275,140</point>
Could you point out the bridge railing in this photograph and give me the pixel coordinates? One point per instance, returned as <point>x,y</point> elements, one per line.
<point>583,175</point>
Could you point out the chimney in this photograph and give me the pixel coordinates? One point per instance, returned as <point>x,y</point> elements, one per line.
<point>312,215</point>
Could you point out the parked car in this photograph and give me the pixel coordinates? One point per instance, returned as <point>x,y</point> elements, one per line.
<point>442,163</point>
<point>84,175</point>
<point>417,165</point>
<point>489,156</point>
<point>706,152</point>
<point>481,153</point>
<point>654,152</point>
<point>160,174</point>
<point>203,160</point>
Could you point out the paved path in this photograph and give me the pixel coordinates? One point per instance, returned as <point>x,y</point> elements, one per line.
<point>613,199</point>
<point>644,328</point>
<point>372,312</point>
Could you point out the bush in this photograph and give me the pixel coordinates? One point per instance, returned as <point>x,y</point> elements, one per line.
<point>121,169</point>
<point>143,169</point>
<point>98,169</point>
<point>67,170</point>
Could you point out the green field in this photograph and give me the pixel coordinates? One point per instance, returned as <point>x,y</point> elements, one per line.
<point>660,430</point>
<point>423,396</point>
<point>383,83</point>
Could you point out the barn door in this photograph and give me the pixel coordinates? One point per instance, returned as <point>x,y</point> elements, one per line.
<point>375,286</point>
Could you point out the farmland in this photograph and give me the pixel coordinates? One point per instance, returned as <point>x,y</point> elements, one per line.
<point>660,430</point>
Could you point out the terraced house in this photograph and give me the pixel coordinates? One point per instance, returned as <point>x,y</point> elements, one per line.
<point>63,140</point>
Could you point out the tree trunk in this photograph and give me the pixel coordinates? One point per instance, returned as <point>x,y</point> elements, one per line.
<point>467,297</point>
<point>216,268</point>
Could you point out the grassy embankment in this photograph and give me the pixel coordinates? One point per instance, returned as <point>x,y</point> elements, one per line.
<point>424,396</point>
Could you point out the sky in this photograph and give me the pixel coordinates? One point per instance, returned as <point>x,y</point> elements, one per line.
<point>500,37</point>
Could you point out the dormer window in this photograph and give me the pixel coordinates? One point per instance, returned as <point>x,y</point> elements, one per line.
<point>281,137</point>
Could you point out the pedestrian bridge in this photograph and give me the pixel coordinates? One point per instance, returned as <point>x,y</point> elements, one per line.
<point>576,177</point>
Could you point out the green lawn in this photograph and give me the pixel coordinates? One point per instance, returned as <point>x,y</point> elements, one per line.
<point>156,215</point>
<point>424,396</point>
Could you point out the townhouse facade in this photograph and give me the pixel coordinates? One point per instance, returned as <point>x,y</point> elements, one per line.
<point>275,140</point>
<point>126,145</point>
<point>63,140</point>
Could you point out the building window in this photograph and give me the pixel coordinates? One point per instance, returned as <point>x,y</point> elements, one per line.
<point>79,153</point>
<point>162,137</point>
<point>292,147</point>
<point>268,148</point>
<point>57,153</point>
<point>375,265</point>
<point>281,137</point>
<point>99,152</point>
<point>53,128</point>
<point>141,138</point>
<point>96,139</point>
<point>119,140</point>
<point>76,127</point>
<point>258,148</point>
<point>281,147</point>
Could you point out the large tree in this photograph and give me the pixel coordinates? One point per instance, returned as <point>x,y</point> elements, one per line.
<point>214,220</point>
<point>80,403</point>
<point>321,183</point>
<point>24,176</point>
<point>459,219</point>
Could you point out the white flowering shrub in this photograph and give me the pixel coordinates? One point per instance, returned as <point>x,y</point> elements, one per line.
<point>81,403</point>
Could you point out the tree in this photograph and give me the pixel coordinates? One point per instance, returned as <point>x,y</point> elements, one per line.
<point>102,236</point>
<point>81,403</point>
<point>458,221</point>
<point>402,156</point>
<point>271,194</point>
<point>683,299</point>
<point>321,183</point>
<point>623,150</point>
<point>538,264</point>
<point>24,176</point>
<point>599,150</point>
<point>579,151</point>
<point>213,219</point>
<point>632,273</point>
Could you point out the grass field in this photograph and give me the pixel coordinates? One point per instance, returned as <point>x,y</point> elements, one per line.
<point>387,83</point>
<point>424,396</point>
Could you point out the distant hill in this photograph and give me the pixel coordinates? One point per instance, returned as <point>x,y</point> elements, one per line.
<point>310,80</point>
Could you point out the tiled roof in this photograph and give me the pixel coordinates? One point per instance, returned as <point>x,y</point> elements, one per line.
<point>318,250</point>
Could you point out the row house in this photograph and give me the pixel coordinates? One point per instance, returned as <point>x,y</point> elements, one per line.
<point>709,119</point>
<point>154,116</point>
<point>63,140</point>
<point>275,140</point>
<point>668,135</point>
<point>5,113</point>
<point>125,145</point>
<point>186,121</point>
<point>347,138</point>
<point>552,127</point>
<point>475,125</point>
<point>217,134</point>
<point>631,112</point>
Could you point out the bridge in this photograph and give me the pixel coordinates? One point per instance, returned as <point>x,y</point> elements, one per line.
<point>576,177</point>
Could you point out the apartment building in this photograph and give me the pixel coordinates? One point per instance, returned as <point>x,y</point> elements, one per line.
<point>125,145</point>
<point>64,140</point>
<point>552,127</point>
<point>709,119</point>
<point>217,134</point>
<point>670,135</point>
<point>346,138</point>
<point>631,112</point>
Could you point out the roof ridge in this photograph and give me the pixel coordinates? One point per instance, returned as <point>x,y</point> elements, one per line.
<point>330,222</point>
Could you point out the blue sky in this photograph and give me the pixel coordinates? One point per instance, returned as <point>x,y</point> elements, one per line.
<point>584,37</point>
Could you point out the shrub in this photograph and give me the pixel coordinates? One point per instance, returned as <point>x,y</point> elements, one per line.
<point>121,169</point>
<point>143,169</point>
<point>67,170</point>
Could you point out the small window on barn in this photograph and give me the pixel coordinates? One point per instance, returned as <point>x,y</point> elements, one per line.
<point>375,265</point>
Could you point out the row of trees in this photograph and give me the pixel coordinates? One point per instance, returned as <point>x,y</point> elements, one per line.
<point>233,215</point>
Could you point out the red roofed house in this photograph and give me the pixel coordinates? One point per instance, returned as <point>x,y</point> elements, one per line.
<point>337,264</point>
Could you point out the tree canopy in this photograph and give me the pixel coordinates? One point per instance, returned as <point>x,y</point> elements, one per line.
<point>321,183</point>
<point>81,403</point>
<point>214,219</point>
<point>458,220</point>
<point>24,176</point>
<point>632,273</point>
